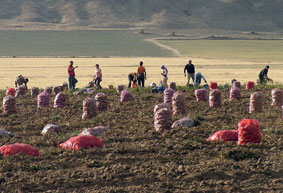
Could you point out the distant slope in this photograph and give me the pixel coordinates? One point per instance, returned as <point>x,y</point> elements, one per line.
<point>224,14</point>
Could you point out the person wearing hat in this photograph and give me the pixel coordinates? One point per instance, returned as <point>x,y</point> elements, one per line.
<point>190,69</point>
<point>164,76</point>
<point>21,81</point>
<point>263,75</point>
<point>199,76</point>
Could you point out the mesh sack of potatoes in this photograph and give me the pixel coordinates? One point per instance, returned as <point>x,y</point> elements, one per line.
<point>60,100</point>
<point>256,102</point>
<point>101,102</point>
<point>126,96</point>
<point>10,91</point>
<point>50,128</point>
<point>235,93</point>
<point>160,106</point>
<point>168,95</point>
<point>277,97</point>
<point>173,85</point>
<point>48,89</point>
<point>249,132</point>
<point>96,131</point>
<point>34,91</point>
<point>89,108</point>
<point>20,90</point>
<point>9,105</point>
<point>57,89</point>
<point>179,103</point>
<point>120,88</point>
<point>43,100</point>
<point>215,98</point>
<point>65,86</point>
<point>200,95</point>
<point>163,119</point>
<point>237,84</point>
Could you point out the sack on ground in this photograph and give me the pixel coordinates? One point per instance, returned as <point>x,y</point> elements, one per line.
<point>163,119</point>
<point>9,105</point>
<point>82,141</point>
<point>168,95</point>
<point>89,109</point>
<point>224,135</point>
<point>13,149</point>
<point>50,128</point>
<point>185,122</point>
<point>256,102</point>
<point>179,103</point>
<point>249,132</point>
<point>96,131</point>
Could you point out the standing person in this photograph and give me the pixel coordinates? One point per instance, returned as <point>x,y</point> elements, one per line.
<point>72,79</point>
<point>98,76</point>
<point>263,75</point>
<point>21,81</point>
<point>190,68</point>
<point>132,77</point>
<point>141,74</point>
<point>164,76</point>
<point>199,76</point>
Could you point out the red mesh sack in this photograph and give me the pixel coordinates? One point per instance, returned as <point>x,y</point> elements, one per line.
<point>11,91</point>
<point>249,132</point>
<point>168,95</point>
<point>82,141</point>
<point>235,93</point>
<point>277,97</point>
<point>224,135</point>
<point>250,85</point>
<point>16,148</point>
<point>200,95</point>
<point>213,85</point>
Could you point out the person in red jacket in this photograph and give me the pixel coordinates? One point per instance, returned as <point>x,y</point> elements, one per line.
<point>71,73</point>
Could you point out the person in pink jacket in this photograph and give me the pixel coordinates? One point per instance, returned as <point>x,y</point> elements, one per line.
<point>98,77</point>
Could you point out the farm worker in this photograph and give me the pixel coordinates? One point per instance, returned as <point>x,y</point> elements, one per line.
<point>263,75</point>
<point>141,74</point>
<point>199,76</point>
<point>132,77</point>
<point>72,79</point>
<point>164,76</point>
<point>21,81</point>
<point>190,68</point>
<point>98,76</point>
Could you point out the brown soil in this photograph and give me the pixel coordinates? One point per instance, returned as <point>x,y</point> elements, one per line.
<point>135,158</point>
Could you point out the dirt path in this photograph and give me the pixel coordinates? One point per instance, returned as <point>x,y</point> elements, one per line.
<point>175,52</point>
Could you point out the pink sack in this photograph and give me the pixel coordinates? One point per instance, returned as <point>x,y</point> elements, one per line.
<point>11,91</point>
<point>16,148</point>
<point>168,95</point>
<point>81,141</point>
<point>224,135</point>
<point>126,96</point>
<point>43,100</point>
<point>249,131</point>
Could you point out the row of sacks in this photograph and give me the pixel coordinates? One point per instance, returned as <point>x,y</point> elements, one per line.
<point>248,132</point>
<point>88,138</point>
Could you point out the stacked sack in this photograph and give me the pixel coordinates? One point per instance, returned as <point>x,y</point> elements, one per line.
<point>126,96</point>
<point>173,85</point>
<point>65,86</point>
<point>120,88</point>
<point>43,100</point>
<point>57,89</point>
<point>237,84</point>
<point>179,103</point>
<point>249,132</point>
<point>60,100</point>
<point>168,95</point>
<point>9,105</point>
<point>215,98</point>
<point>256,103</point>
<point>48,90</point>
<point>163,119</point>
<point>161,106</point>
<point>11,91</point>
<point>213,85</point>
<point>250,85</point>
<point>235,93</point>
<point>200,95</point>
<point>101,102</point>
<point>277,97</point>
<point>34,91</point>
<point>20,90</point>
<point>89,109</point>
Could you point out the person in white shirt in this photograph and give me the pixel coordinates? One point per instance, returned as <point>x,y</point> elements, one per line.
<point>98,76</point>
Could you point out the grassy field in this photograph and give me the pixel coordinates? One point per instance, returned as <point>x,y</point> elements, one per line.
<point>99,43</point>
<point>134,157</point>
<point>264,51</point>
<point>52,71</point>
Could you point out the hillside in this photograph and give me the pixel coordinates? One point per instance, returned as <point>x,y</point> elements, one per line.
<point>182,14</point>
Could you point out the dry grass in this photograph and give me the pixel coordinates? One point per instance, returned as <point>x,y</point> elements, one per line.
<point>52,71</point>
